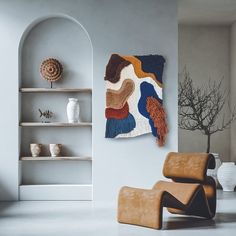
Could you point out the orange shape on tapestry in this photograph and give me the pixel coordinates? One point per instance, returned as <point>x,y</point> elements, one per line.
<point>158,116</point>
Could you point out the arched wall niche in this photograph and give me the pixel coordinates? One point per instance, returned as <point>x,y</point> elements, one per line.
<point>61,37</point>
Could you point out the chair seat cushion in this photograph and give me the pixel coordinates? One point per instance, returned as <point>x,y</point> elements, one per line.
<point>182,191</point>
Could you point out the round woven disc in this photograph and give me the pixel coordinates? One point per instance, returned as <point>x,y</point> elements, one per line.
<point>51,69</point>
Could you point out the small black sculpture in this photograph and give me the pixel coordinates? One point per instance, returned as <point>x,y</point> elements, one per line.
<point>46,114</point>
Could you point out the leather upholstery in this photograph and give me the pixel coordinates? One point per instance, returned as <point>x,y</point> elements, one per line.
<point>188,167</point>
<point>140,206</point>
<point>190,193</point>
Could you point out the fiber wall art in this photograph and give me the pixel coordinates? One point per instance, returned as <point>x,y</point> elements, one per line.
<point>134,97</point>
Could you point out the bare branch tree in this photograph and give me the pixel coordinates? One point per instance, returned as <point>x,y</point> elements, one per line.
<point>201,108</point>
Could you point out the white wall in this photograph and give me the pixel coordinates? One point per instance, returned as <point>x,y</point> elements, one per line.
<point>204,50</point>
<point>125,27</point>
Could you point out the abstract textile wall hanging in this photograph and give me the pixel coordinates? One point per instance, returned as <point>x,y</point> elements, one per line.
<point>134,97</point>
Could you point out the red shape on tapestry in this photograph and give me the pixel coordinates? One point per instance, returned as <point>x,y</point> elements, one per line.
<point>117,113</point>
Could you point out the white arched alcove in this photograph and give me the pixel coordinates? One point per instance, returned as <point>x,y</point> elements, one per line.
<point>65,39</point>
<point>60,37</point>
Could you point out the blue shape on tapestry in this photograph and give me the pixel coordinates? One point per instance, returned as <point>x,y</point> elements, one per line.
<point>119,126</point>
<point>153,64</point>
<point>147,90</point>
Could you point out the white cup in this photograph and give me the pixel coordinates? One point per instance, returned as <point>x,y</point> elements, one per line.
<point>55,149</point>
<point>35,149</point>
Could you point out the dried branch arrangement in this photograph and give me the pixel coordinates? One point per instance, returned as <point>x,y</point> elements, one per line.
<point>202,108</point>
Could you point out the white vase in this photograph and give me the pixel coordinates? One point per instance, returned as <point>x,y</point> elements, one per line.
<point>73,110</point>
<point>226,176</point>
<point>213,173</point>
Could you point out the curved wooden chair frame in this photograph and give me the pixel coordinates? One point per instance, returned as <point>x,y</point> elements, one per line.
<point>191,192</point>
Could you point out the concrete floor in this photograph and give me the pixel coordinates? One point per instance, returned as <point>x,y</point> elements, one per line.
<point>31,218</point>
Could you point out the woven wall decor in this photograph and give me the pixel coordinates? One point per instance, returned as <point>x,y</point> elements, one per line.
<point>51,69</point>
<point>134,103</point>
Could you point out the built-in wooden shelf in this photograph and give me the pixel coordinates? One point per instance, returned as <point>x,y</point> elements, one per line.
<point>55,90</point>
<point>55,158</point>
<point>54,124</point>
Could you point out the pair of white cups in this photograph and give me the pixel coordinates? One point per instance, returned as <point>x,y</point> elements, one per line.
<point>36,148</point>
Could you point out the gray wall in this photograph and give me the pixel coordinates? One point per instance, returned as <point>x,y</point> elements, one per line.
<point>124,26</point>
<point>233,88</point>
<point>204,50</point>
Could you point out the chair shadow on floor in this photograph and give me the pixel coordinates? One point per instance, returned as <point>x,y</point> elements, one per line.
<point>185,222</point>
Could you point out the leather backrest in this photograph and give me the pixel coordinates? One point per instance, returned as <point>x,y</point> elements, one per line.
<point>188,167</point>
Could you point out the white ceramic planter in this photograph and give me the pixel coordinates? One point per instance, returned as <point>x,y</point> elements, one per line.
<point>213,173</point>
<point>227,176</point>
<point>55,149</point>
<point>73,110</point>
<point>35,149</point>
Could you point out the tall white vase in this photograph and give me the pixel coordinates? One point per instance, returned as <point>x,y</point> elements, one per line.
<point>226,176</point>
<point>73,110</point>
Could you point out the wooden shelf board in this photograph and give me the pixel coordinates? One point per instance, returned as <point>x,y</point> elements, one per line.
<point>55,90</point>
<point>54,124</point>
<point>56,158</point>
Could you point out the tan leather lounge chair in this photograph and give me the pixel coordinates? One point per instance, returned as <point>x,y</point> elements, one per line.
<point>190,192</point>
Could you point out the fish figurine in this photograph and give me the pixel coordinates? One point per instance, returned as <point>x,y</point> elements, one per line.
<point>47,114</point>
